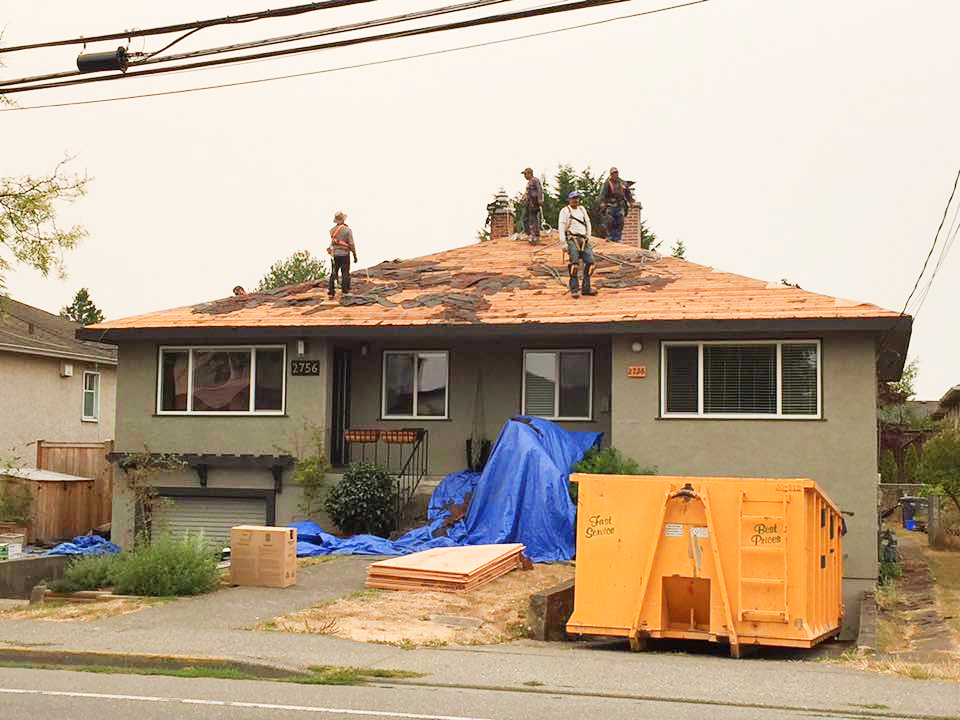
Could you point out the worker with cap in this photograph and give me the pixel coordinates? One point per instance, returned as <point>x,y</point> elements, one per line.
<point>340,248</point>
<point>575,231</point>
<point>532,205</point>
<point>615,200</point>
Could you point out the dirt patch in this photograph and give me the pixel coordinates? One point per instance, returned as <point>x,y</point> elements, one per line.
<point>492,614</point>
<point>76,612</point>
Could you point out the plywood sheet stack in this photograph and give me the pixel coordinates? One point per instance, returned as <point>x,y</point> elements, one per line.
<point>453,569</point>
<point>263,555</point>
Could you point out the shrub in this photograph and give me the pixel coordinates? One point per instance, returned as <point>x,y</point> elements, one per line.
<point>89,572</point>
<point>610,461</point>
<point>15,503</point>
<point>363,501</point>
<point>169,566</point>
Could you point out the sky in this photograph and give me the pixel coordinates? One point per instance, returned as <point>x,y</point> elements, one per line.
<point>813,141</point>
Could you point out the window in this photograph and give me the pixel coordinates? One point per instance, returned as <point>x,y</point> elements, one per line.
<point>415,385</point>
<point>758,379</point>
<point>558,384</point>
<point>221,380</point>
<point>91,396</point>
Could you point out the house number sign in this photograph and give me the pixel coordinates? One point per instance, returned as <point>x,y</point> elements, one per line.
<point>304,367</point>
<point>637,371</point>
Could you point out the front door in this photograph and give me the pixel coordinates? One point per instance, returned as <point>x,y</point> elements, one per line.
<point>340,420</point>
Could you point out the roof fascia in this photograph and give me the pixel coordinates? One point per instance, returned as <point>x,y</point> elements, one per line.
<point>26,350</point>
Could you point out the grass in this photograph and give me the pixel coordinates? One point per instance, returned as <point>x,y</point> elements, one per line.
<point>858,660</point>
<point>945,566</point>
<point>319,675</point>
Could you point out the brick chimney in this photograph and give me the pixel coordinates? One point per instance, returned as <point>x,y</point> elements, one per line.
<point>502,219</point>
<point>631,226</point>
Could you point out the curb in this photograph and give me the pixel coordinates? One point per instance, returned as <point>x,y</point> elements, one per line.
<point>69,659</point>
<point>867,633</point>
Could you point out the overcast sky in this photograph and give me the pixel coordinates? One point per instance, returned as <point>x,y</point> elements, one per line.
<point>812,140</point>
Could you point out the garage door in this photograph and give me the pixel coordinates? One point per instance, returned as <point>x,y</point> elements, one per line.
<point>213,516</point>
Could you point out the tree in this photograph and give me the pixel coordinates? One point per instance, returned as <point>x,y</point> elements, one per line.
<point>889,472</point>
<point>911,465</point>
<point>893,409</point>
<point>29,233</point>
<point>82,309</point>
<point>299,267</point>
<point>940,466</point>
<point>679,250</point>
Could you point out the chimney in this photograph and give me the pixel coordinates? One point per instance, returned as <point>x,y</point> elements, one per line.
<point>502,219</point>
<point>631,226</point>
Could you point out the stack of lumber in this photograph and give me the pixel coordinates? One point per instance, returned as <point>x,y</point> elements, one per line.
<point>453,569</point>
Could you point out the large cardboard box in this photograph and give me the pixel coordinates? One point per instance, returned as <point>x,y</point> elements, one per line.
<point>263,556</point>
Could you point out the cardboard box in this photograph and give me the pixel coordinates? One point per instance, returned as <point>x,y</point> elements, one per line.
<point>263,556</point>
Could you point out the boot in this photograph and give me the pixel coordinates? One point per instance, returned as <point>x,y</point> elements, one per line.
<point>574,286</point>
<point>587,290</point>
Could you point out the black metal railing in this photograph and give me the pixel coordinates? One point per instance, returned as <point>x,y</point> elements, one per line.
<point>404,453</point>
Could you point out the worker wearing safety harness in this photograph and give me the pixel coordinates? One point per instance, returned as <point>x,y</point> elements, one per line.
<point>575,230</point>
<point>340,248</point>
<point>615,200</point>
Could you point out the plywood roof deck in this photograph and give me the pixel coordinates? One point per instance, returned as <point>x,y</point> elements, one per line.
<point>508,282</point>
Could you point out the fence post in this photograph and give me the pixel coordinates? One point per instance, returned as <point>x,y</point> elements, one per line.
<point>934,531</point>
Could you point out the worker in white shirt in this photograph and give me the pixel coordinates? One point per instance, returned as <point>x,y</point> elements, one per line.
<point>575,230</point>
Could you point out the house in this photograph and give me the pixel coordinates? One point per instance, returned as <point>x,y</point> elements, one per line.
<point>683,367</point>
<point>56,387</point>
<point>948,409</point>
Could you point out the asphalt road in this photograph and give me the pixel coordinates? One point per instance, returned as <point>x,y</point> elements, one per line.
<point>66,695</point>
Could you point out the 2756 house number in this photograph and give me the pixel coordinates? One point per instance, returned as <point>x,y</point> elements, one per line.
<point>304,367</point>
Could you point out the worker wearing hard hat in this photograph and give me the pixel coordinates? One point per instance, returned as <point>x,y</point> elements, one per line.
<point>575,231</point>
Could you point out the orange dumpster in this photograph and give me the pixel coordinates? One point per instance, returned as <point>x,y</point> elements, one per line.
<point>749,561</point>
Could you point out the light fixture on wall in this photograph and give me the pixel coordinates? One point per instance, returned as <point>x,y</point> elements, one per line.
<point>301,347</point>
<point>364,349</point>
<point>636,346</point>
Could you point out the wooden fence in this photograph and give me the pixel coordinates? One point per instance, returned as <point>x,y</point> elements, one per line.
<point>87,460</point>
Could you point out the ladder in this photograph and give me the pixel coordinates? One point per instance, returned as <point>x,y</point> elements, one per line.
<point>762,560</point>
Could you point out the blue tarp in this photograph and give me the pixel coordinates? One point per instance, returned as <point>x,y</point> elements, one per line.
<point>520,497</point>
<point>84,545</point>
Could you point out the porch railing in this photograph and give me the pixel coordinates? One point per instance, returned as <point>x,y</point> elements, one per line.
<point>404,453</point>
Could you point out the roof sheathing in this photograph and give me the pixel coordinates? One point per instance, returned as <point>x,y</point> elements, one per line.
<point>508,282</point>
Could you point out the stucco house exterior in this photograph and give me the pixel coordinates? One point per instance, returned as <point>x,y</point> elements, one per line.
<point>55,387</point>
<point>948,409</point>
<point>686,368</point>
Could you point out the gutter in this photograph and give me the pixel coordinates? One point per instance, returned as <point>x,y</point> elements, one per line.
<point>59,354</point>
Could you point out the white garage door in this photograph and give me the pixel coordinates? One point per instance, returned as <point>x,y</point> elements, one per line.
<point>213,516</point>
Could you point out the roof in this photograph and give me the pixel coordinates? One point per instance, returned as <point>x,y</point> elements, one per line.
<point>40,475</point>
<point>507,282</point>
<point>949,399</point>
<point>29,330</point>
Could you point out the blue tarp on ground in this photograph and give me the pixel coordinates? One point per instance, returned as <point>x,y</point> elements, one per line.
<point>84,545</point>
<point>520,497</point>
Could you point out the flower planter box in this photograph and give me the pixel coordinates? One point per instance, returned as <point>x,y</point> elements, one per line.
<point>399,437</point>
<point>361,436</point>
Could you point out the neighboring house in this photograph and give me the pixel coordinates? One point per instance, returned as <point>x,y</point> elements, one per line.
<point>55,387</point>
<point>683,367</point>
<point>948,410</point>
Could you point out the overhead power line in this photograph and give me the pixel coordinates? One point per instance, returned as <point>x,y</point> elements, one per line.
<point>356,66</point>
<point>195,25</point>
<point>151,59</point>
<point>413,32</point>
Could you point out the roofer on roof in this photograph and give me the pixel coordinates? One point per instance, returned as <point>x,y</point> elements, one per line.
<point>532,204</point>
<point>575,230</point>
<point>615,200</point>
<point>341,246</point>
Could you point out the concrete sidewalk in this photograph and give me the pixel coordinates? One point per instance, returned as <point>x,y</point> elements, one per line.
<point>216,626</point>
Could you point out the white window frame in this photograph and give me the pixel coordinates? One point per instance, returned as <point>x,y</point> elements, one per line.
<point>96,398</point>
<point>556,393</point>
<point>700,414</point>
<point>190,349</point>
<point>416,390</point>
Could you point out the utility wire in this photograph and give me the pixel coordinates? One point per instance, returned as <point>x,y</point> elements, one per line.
<point>195,25</point>
<point>150,59</point>
<point>476,22</point>
<point>355,66</point>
